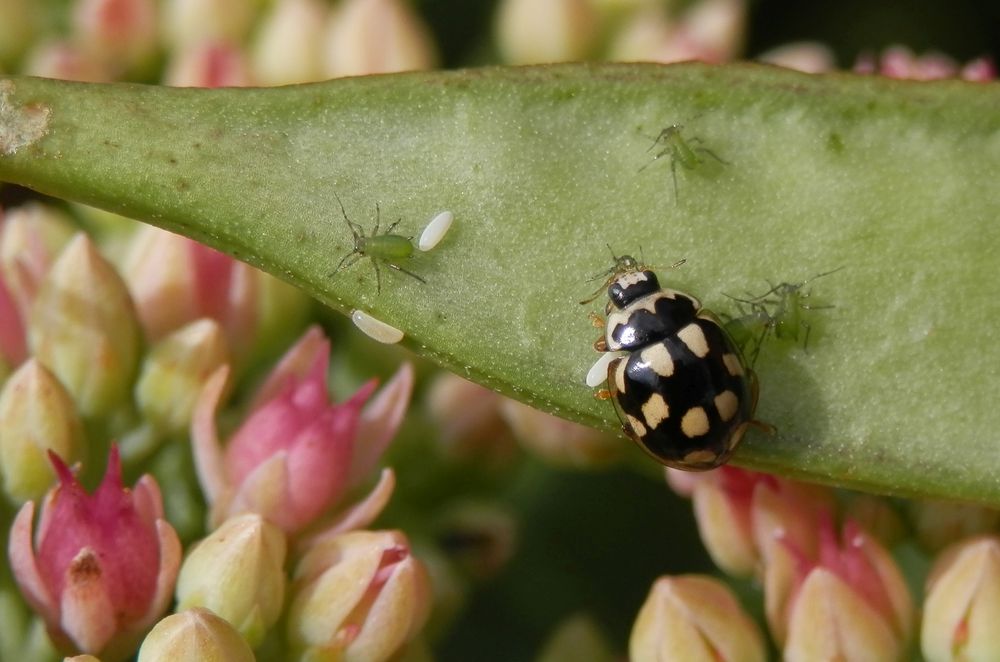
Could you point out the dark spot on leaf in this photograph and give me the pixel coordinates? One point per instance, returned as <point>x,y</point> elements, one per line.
<point>835,143</point>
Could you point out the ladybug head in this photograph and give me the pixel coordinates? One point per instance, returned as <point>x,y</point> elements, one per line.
<point>628,286</point>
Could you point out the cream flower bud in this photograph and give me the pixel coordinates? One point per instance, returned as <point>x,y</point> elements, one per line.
<point>359,596</point>
<point>560,441</point>
<point>192,23</point>
<point>175,371</point>
<point>470,427</point>
<point>36,415</point>
<point>375,37</point>
<point>830,620</point>
<point>288,47</point>
<point>195,634</point>
<point>694,618</point>
<point>962,608</point>
<point>31,236</point>
<point>810,57</point>
<point>577,638</point>
<point>531,32</point>
<point>237,573</point>
<point>83,328</point>
<point>940,523</point>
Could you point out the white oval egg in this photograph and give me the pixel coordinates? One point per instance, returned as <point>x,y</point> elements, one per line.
<point>598,373</point>
<point>435,231</point>
<point>376,329</point>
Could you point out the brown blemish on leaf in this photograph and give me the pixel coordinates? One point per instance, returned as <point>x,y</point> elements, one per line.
<point>20,125</point>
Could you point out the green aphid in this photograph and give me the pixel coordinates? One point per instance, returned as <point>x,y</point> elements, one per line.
<point>689,153</point>
<point>387,247</point>
<point>781,312</point>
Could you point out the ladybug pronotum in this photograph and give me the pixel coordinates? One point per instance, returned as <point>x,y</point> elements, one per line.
<point>682,389</point>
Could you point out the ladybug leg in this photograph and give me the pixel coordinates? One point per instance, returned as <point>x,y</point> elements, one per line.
<point>596,320</point>
<point>602,394</point>
<point>766,428</point>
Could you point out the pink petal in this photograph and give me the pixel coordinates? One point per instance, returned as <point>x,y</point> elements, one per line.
<point>263,492</point>
<point>147,499</point>
<point>213,271</point>
<point>87,610</point>
<point>23,563</point>
<point>379,423</point>
<point>240,314</point>
<point>204,439</point>
<point>166,577</point>
<point>312,348</point>
<point>361,514</point>
<point>13,347</point>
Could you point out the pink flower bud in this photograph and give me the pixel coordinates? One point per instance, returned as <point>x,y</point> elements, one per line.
<point>13,341</point>
<point>851,585</point>
<point>209,64</point>
<point>296,454</point>
<point>103,565</point>
<point>121,33</point>
<point>741,513</point>
<point>31,237</point>
<point>360,595</point>
<point>175,281</point>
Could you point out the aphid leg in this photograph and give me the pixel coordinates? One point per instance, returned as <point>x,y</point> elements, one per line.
<point>378,276</point>
<point>705,150</point>
<point>347,261</point>
<point>408,273</point>
<point>673,174</point>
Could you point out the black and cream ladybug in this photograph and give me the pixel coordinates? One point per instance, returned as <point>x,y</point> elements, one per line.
<point>679,383</point>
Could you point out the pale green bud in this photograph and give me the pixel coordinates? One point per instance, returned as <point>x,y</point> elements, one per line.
<point>36,415</point>
<point>83,328</point>
<point>237,573</point>
<point>195,634</point>
<point>174,372</point>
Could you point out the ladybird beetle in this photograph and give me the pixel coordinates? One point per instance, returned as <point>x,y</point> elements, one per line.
<point>681,387</point>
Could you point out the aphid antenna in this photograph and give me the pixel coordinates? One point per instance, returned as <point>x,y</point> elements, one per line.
<point>351,225</point>
<point>797,286</point>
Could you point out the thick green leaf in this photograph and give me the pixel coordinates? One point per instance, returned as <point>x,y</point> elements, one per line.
<point>896,182</point>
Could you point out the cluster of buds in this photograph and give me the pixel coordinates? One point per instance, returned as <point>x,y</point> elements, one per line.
<point>88,356</point>
<point>829,592</point>
<point>213,43</point>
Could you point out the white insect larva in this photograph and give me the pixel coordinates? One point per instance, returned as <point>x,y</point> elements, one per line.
<point>598,373</point>
<point>435,231</point>
<point>376,329</point>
